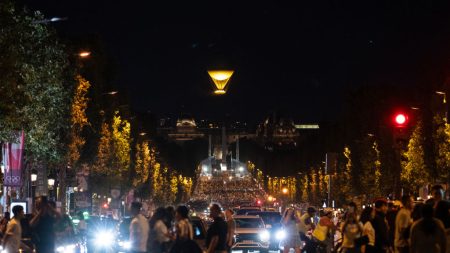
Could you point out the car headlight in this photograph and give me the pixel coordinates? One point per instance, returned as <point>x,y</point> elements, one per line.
<point>264,236</point>
<point>66,248</point>
<point>125,244</point>
<point>280,234</point>
<point>104,238</point>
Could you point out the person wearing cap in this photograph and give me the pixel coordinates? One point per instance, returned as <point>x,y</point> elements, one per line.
<point>380,226</point>
<point>139,229</point>
<point>304,225</point>
<point>324,229</point>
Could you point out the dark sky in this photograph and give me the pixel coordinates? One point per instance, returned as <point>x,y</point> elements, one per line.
<point>300,57</point>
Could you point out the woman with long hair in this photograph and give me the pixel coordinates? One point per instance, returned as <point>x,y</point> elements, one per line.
<point>428,234</point>
<point>292,239</point>
<point>367,216</point>
<point>351,229</point>
<point>159,234</point>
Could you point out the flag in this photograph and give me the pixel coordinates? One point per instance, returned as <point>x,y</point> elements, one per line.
<point>13,160</point>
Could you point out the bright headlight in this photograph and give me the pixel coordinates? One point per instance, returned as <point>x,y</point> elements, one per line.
<point>104,238</point>
<point>125,245</point>
<point>66,249</point>
<point>280,235</point>
<point>264,236</point>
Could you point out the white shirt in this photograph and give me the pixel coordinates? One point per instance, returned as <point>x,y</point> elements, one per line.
<point>402,221</point>
<point>139,229</point>
<point>14,232</point>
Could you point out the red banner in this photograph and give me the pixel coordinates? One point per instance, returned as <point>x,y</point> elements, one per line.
<point>12,160</point>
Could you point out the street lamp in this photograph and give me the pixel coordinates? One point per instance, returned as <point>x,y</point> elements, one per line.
<point>113,92</point>
<point>442,94</point>
<point>51,183</point>
<point>33,176</point>
<point>51,20</point>
<point>84,54</point>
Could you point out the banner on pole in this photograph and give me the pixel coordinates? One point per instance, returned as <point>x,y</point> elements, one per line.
<point>13,160</point>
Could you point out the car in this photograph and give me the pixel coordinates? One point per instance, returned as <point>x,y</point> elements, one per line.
<point>273,224</point>
<point>199,227</point>
<point>101,234</point>
<point>251,234</point>
<point>243,210</point>
<point>123,235</point>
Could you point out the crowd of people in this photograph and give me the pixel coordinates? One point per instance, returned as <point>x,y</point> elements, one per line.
<point>378,228</point>
<point>223,189</point>
<point>44,228</point>
<point>169,230</point>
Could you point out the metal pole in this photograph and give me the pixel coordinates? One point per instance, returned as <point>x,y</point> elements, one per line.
<point>329,181</point>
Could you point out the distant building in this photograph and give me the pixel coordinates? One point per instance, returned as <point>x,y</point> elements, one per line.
<point>184,130</point>
<point>272,133</point>
<point>277,133</point>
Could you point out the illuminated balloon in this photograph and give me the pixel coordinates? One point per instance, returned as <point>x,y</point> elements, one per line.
<point>220,79</point>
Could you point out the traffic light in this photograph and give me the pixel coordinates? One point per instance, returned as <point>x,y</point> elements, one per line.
<point>401,120</point>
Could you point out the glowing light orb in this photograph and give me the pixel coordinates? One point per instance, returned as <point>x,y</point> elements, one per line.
<point>400,119</point>
<point>220,79</point>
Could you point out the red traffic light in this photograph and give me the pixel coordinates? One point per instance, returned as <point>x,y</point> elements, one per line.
<point>106,206</point>
<point>400,119</point>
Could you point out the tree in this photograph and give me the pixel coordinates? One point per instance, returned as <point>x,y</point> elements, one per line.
<point>342,186</point>
<point>78,120</point>
<point>121,139</point>
<point>157,184</point>
<point>102,166</point>
<point>441,139</point>
<point>142,163</point>
<point>34,84</point>
<point>414,172</point>
<point>371,168</point>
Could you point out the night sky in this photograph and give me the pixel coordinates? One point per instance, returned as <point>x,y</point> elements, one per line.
<point>300,58</point>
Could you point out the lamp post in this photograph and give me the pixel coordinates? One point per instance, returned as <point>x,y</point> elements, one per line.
<point>51,184</point>
<point>33,178</point>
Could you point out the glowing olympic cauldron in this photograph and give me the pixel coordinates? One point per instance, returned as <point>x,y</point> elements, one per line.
<point>220,79</point>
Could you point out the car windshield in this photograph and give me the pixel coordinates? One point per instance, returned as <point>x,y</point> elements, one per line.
<point>243,211</point>
<point>272,218</point>
<point>249,223</point>
<point>198,229</point>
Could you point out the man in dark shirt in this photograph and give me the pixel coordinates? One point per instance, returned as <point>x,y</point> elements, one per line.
<point>43,225</point>
<point>216,237</point>
<point>380,226</point>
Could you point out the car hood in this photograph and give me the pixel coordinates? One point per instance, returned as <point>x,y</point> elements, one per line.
<point>249,230</point>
